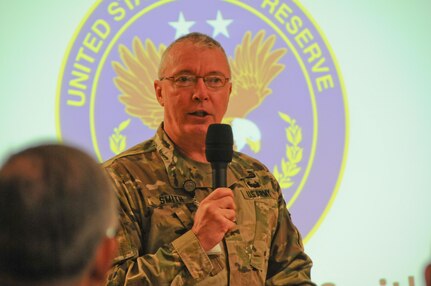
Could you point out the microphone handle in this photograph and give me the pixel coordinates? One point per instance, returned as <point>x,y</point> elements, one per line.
<point>219,180</point>
<point>219,174</point>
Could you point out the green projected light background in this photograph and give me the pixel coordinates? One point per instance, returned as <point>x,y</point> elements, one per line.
<point>378,225</point>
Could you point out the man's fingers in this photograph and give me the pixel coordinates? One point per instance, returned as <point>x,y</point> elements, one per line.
<point>227,222</point>
<point>219,193</point>
<point>228,214</point>
<point>231,225</point>
<point>220,198</point>
<point>225,203</point>
<point>213,209</point>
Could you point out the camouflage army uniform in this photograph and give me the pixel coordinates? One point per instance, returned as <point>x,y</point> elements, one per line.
<point>159,191</point>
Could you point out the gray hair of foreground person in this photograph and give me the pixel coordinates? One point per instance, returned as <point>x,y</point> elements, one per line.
<point>57,218</point>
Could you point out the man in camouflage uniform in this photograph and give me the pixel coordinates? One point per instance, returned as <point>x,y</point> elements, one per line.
<point>171,218</point>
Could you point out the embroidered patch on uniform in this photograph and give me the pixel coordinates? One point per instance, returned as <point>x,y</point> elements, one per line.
<point>189,185</point>
<point>253,183</point>
<point>256,194</point>
<point>250,173</point>
<point>171,199</point>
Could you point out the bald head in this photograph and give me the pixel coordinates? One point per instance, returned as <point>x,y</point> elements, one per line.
<point>197,39</point>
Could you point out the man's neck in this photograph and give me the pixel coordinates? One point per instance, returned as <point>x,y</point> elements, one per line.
<point>193,146</point>
<point>193,149</point>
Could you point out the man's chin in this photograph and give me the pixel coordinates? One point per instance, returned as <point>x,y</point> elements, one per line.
<point>198,129</point>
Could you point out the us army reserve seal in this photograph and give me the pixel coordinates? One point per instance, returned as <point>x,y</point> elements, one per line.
<point>287,106</point>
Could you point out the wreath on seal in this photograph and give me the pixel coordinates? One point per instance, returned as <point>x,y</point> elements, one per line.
<point>289,164</point>
<point>117,141</point>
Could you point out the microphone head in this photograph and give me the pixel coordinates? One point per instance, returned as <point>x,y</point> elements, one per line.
<point>219,143</point>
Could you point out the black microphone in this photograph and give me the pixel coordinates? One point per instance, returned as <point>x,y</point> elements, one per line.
<point>219,152</point>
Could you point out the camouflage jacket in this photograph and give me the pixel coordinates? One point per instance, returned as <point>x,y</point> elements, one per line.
<point>159,191</point>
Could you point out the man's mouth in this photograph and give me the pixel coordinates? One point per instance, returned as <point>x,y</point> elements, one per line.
<point>199,113</point>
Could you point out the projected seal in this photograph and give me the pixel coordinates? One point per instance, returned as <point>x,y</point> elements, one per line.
<point>287,106</point>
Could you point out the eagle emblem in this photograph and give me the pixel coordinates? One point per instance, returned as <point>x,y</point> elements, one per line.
<point>254,66</point>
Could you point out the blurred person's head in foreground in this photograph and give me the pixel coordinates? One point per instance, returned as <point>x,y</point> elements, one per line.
<point>57,218</point>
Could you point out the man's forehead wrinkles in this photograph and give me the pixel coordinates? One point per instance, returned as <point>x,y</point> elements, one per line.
<point>190,72</point>
<point>184,71</point>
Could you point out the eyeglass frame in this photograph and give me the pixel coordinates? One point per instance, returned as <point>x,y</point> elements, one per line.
<point>172,78</point>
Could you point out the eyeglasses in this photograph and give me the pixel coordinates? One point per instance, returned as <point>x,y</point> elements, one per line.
<point>211,81</point>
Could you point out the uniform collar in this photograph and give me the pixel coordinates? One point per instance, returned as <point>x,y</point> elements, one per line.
<point>183,171</point>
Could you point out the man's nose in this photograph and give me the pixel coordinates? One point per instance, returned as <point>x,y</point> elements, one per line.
<point>201,90</point>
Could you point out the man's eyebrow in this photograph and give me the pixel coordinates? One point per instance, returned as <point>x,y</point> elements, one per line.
<point>215,73</point>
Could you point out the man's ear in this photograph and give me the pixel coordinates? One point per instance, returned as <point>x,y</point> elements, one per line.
<point>158,90</point>
<point>103,260</point>
<point>428,275</point>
